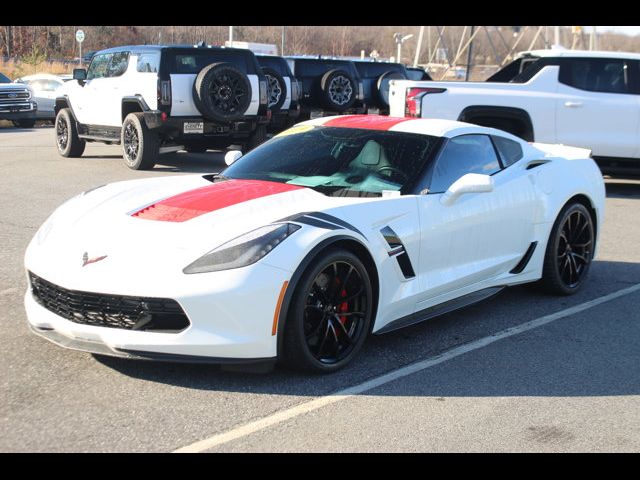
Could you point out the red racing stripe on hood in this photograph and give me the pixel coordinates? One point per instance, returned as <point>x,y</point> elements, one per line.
<point>193,203</point>
<point>371,122</point>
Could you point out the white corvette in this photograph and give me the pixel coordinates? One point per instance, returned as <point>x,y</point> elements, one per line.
<point>334,229</point>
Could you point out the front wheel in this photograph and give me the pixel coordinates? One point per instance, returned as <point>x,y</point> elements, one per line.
<point>140,146</point>
<point>67,140</point>
<point>330,314</point>
<point>569,251</point>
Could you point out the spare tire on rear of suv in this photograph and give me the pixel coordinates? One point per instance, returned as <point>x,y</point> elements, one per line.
<point>339,89</point>
<point>382,85</point>
<point>276,89</point>
<point>222,92</point>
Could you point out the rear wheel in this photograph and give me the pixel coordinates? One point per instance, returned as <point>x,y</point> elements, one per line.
<point>258,137</point>
<point>222,92</point>
<point>569,251</point>
<point>330,314</point>
<point>339,90</point>
<point>140,146</point>
<point>67,140</point>
<point>276,89</point>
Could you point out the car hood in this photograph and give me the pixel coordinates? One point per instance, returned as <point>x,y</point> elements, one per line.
<point>160,226</point>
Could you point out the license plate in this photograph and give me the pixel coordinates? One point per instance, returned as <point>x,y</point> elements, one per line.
<point>193,127</point>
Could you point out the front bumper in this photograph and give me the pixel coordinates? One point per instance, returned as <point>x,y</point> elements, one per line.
<point>225,326</point>
<point>22,111</point>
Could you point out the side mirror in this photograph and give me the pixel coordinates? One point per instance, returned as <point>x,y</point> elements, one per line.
<point>231,156</point>
<point>469,183</point>
<point>80,74</point>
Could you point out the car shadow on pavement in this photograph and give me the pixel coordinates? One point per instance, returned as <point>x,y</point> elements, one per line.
<point>593,353</point>
<point>208,162</point>
<point>622,189</point>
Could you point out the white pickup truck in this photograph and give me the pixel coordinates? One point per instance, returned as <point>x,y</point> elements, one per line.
<point>585,99</point>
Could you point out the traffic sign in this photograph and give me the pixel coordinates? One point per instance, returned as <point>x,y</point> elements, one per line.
<point>80,36</point>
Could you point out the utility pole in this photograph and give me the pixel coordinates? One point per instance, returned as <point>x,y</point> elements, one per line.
<point>231,36</point>
<point>417,55</point>
<point>469,55</point>
<point>557,37</point>
<point>429,44</point>
<point>282,42</point>
<point>593,39</point>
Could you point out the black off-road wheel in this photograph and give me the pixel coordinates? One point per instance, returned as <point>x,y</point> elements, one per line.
<point>569,251</point>
<point>140,146</point>
<point>339,90</point>
<point>222,92</point>
<point>67,140</point>
<point>330,314</point>
<point>276,89</point>
<point>258,137</point>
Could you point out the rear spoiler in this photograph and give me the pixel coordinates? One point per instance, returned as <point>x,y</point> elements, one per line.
<point>565,151</point>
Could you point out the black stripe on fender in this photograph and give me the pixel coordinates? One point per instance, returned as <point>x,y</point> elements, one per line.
<point>321,220</point>
<point>399,251</point>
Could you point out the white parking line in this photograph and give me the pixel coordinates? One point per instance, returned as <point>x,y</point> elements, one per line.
<point>306,407</point>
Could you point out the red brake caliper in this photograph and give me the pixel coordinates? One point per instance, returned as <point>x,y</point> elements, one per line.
<point>343,307</point>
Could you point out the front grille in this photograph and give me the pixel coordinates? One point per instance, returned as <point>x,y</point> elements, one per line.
<point>14,96</point>
<point>113,311</point>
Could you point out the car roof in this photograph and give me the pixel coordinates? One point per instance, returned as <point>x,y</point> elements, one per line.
<point>423,126</point>
<point>42,76</point>
<point>156,48</point>
<point>561,52</point>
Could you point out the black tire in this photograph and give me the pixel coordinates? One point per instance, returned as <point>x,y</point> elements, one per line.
<point>222,92</point>
<point>28,123</point>
<point>569,251</point>
<point>382,85</point>
<point>258,137</point>
<point>305,347</point>
<point>140,146</point>
<point>195,148</point>
<point>339,90</point>
<point>67,140</point>
<point>276,89</point>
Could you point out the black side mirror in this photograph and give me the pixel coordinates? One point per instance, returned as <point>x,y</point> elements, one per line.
<point>80,74</point>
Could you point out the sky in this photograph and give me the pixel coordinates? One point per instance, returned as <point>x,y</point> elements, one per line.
<point>625,29</point>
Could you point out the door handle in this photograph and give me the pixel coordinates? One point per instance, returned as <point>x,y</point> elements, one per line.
<point>573,104</point>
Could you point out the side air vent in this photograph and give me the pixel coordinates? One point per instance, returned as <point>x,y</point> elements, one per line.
<point>525,259</point>
<point>399,251</point>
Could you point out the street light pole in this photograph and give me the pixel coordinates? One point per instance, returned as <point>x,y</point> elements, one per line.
<point>282,42</point>
<point>231,35</point>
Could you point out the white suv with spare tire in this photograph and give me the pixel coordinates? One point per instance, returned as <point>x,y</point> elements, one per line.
<point>158,99</point>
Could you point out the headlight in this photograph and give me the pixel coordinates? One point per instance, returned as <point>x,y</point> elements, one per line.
<point>244,250</point>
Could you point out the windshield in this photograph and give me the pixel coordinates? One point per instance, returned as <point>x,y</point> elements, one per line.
<point>339,161</point>
<point>4,79</point>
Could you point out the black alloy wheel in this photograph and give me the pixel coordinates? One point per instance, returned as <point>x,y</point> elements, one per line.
<point>574,247</point>
<point>130,142</point>
<point>569,251</point>
<point>62,133</point>
<point>331,314</point>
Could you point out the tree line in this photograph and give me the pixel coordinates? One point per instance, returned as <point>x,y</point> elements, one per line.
<point>491,45</point>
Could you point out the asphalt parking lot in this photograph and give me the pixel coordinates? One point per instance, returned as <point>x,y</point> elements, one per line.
<point>522,371</point>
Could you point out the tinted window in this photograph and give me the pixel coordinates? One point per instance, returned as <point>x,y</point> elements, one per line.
<point>148,62</point>
<point>462,155</point>
<point>193,62</point>
<point>375,69</point>
<point>119,63</point>
<point>595,75</point>
<point>276,63</point>
<point>510,151</point>
<point>417,74</point>
<point>4,79</point>
<point>99,66</point>
<point>339,161</point>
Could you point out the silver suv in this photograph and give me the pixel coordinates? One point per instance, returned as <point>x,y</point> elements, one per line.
<point>159,99</point>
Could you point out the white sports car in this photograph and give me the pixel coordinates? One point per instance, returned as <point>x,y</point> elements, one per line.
<point>336,228</point>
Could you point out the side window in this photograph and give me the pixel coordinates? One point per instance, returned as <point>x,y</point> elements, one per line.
<point>148,62</point>
<point>118,64</point>
<point>596,75</point>
<point>99,66</point>
<point>462,155</point>
<point>510,151</point>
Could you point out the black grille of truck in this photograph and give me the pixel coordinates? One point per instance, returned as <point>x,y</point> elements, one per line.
<point>113,311</point>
